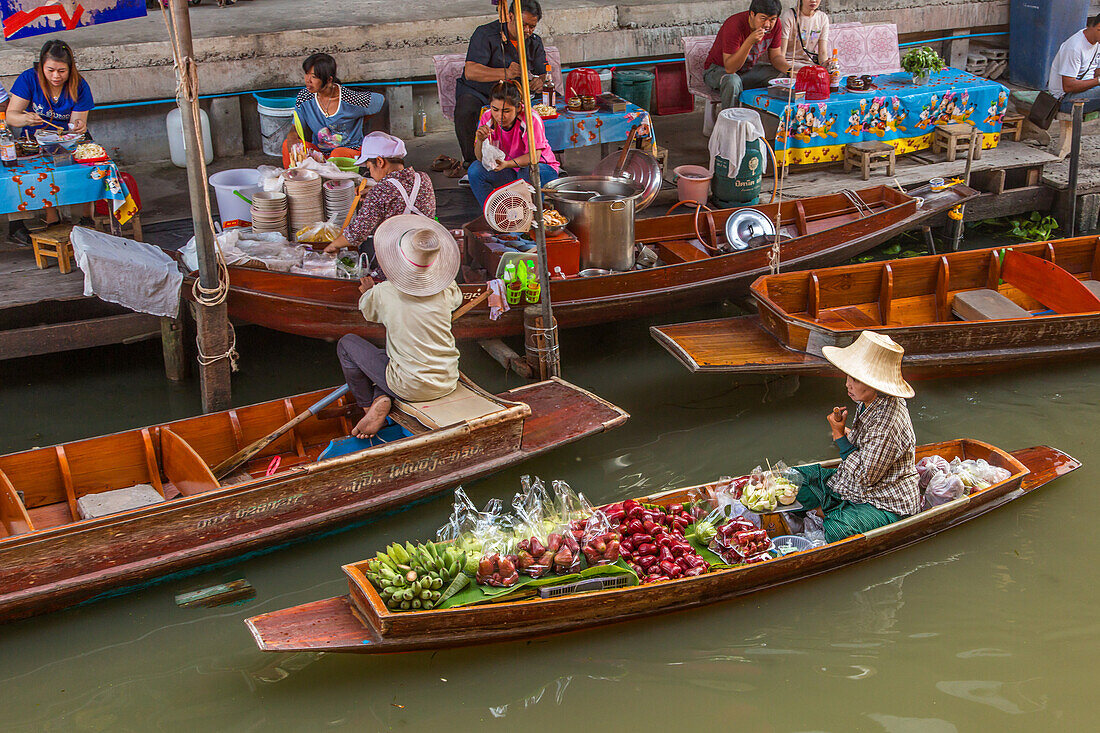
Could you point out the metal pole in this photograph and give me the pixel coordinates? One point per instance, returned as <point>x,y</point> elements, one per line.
<point>553,360</point>
<point>1074,163</point>
<point>212,321</point>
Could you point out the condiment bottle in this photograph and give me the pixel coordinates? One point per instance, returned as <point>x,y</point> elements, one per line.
<point>512,283</point>
<point>834,72</point>
<point>420,120</point>
<point>549,94</point>
<point>8,153</point>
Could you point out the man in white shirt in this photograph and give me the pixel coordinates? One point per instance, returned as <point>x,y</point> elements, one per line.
<point>1075,71</point>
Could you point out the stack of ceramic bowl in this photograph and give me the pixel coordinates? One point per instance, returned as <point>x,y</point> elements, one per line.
<point>269,211</point>
<point>303,188</point>
<point>338,198</point>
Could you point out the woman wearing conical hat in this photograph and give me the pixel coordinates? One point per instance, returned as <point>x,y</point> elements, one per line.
<point>876,482</point>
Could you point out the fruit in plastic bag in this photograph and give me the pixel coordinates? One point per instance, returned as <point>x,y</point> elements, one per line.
<point>942,488</point>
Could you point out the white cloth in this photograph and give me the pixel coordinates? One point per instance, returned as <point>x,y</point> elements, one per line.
<point>138,276</point>
<point>734,128</point>
<point>410,208</point>
<point>1076,58</point>
<point>498,300</point>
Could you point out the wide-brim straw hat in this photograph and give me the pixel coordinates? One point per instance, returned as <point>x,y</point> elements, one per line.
<point>418,254</point>
<point>875,360</point>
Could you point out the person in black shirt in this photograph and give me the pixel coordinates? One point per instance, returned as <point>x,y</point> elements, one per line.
<point>491,57</point>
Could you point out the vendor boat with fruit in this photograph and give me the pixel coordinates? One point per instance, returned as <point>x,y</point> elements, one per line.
<point>696,262</point>
<point>105,514</point>
<point>640,557</point>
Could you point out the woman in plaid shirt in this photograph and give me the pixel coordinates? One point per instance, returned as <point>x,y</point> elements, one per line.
<point>876,482</point>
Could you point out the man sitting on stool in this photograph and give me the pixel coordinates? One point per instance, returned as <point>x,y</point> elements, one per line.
<point>420,363</point>
<point>736,61</point>
<point>1074,73</point>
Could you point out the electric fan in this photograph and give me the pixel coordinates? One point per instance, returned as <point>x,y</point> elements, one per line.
<point>510,208</point>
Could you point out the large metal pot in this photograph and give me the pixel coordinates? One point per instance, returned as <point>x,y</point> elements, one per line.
<point>600,210</point>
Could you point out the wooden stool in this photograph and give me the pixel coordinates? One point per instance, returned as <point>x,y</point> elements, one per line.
<point>947,138</point>
<point>53,242</point>
<point>1012,125</point>
<point>867,153</point>
<point>132,228</point>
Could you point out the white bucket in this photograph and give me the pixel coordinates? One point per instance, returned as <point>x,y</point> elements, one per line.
<point>232,209</point>
<point>605,80</point>
<point>274,125</point>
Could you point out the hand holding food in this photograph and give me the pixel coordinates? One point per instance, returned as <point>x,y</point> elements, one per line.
<point>483,133</point>
<point>836,420</point>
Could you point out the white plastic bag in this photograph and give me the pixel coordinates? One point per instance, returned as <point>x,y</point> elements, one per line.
<point>942,488</point>
<point>271,178</point>
<point>491,156</point>
<point>322,232</point>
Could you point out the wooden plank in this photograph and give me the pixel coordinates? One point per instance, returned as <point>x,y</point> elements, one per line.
<point>800,219</point>
<point>729,344</point>
<point>886,294</point>
<point>993,277</point>
<point>813,295</point>
<point>1047,283</point>
<point>943,283</point>
<point>183,466</point>
<point>151,461</point>
<point>55,338</point>
<point>676,252</point>
<point>67,480</point>
<point>854,317</point>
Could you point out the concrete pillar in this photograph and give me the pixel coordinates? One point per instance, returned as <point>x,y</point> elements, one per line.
<point>955,51</point>
<point>225,127</point>
<point>1088,212</point>
<point>400,100</point>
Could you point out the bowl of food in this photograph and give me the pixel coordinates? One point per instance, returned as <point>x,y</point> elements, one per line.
<point>545,111</point>
<point>56,141</point>
<point>27,147</point>
<point>553,220</point>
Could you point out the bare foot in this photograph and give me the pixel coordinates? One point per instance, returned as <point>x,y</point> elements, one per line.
<point>375,418</point>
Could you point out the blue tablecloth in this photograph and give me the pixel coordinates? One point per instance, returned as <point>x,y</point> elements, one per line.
<point>896,111</point>
<point>35,183</point>
<point>577,130</point>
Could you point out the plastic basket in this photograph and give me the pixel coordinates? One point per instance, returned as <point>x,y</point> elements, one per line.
<point>791,543</point>
<point>586,585</point>
<point>671,95</point>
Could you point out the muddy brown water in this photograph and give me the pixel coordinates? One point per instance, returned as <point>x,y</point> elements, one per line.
<point>990,626</point>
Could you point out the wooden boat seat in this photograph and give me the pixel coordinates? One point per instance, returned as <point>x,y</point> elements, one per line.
<point>13,515</point>
<point>985,305</point>
<point>461,405</point>
<point>183,467</point>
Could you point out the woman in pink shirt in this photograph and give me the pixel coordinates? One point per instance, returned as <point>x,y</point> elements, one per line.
<point>504,126</point>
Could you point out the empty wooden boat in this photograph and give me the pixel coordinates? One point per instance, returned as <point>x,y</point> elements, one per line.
<point>51,556</point>
<point>824,230</point>
<point>965,311</point>
<point>361,623</point>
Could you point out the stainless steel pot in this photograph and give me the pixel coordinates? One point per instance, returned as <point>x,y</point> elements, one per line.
<point>600,210</point>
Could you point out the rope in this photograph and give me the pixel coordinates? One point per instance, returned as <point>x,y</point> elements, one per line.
<point>777,193</point>
<point>861,206</point>
<point>187,84</point>
<point>230,353</point>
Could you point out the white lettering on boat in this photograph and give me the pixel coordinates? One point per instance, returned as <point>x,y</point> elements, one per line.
<point>265,508</point>
<point>426,464</point>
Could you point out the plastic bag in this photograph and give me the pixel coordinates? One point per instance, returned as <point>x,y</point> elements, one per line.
<point>271,178</point>
<point>533,556</point>
<point>319,233</point>
<point>928,466</point>
<point>942,488</point>
<point>726,497</point>
<point>491,156</point>
<point>600,542</point>
<point>813,528</point>
<point>493,534</point>
<point>979,471</point>
<point>464,516</point>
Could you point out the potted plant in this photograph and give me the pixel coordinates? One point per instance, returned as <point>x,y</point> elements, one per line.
<point>921,62</point>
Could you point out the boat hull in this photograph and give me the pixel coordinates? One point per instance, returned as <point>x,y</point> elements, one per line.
<point>339,625</point>
<point>50,569</point>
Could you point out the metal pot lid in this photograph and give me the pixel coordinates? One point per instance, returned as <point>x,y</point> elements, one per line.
<point>746,224</point>
<point>640,168</point>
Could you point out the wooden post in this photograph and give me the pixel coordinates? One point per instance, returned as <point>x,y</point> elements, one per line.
<point>1074,163</point>
<point>212,322</point>
<point>171,344</point>
<point>536,342</point>
<point>975,145</point>
<point>553,362</point>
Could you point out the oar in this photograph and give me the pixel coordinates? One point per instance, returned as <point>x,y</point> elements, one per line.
<point>237,459</point>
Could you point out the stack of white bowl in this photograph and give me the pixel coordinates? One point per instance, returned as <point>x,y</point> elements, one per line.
<point>303,188</point>
<point>338,198</point>
<point>269,210</point>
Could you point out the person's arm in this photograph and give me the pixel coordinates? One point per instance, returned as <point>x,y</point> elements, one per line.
<point>1073,85</point>
<point>482,134</point>
<point>19,116</point>
<point>521,161</point>
<point>366,220</point>
<point>78,121</point>
<point>776,57</point>
<point>732,62</point>
<point>789,43</point>
<point>878,450</point>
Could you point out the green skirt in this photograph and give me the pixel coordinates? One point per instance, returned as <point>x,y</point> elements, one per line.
<point>843,518</point>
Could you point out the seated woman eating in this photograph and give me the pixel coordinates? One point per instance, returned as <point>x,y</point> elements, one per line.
<point>876,482</point>
<point>400,190</point>
<point>420,362</point>
<point>504,126</point>
<point>330,115</point>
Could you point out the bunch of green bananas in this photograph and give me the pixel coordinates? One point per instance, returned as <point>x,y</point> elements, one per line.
<point>413,577</point>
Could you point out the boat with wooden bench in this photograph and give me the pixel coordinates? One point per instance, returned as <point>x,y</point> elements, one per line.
<point>360,621</point>
<point>964,311</point>
<point>92,516</point>
<point>695,266</point>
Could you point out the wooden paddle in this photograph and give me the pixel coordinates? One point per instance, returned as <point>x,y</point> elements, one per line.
<point>235,461</point>
<point>240,457</point>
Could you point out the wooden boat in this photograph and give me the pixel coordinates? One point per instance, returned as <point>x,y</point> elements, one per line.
<point>51,558</point>
<point>1044,306</point>
<point>826,230</point>
<point>360,622</point>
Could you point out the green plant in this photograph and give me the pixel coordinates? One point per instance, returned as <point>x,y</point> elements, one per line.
<point>1033,228</point>
<point>922,61</point>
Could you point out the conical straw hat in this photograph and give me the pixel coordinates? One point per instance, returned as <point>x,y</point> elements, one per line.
<point>418,254</point>
<point>875,360</point>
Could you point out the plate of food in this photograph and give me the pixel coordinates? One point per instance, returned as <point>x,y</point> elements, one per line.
<point>90,153</point>
<point>53,141</point>
<point>545,111</point>
<point>785,82</point>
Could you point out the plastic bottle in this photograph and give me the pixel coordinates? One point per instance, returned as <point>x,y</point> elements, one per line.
<point>834,72</point>
<point>512,284</point>
<point>8,153</point>
<point>549,94</point>
<point>420,120</point>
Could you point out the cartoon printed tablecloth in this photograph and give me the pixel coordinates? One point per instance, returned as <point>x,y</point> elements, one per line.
<point>35,183</point>
<point>568,131</point>
<point>896,112</point>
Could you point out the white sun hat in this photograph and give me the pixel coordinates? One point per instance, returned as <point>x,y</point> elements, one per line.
<point>418,254</point>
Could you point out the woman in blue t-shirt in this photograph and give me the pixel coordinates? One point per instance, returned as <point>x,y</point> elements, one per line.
<point>51,93</point>
<point>331,116</point>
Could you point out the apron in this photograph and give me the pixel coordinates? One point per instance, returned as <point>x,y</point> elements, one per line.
<point>410,208</point>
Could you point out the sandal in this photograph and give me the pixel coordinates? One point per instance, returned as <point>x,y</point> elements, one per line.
<point>443,163</point>
<point>458,170</point>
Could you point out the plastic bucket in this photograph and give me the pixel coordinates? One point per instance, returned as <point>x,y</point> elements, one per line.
<point>634,86</point>
<point>276,100</point>
<point>233,210</point>
<point>605,80</point>
<point>743,187</point>
<point>275,123</point>
<point>692,183</point>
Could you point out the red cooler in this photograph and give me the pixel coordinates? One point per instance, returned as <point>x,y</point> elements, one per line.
<point>563,252</point>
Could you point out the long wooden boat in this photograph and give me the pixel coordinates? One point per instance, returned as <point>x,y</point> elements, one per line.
<point>1049,289</point>
<point>51,558</point>
<point>826,230</point>
<point>361,623</point>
